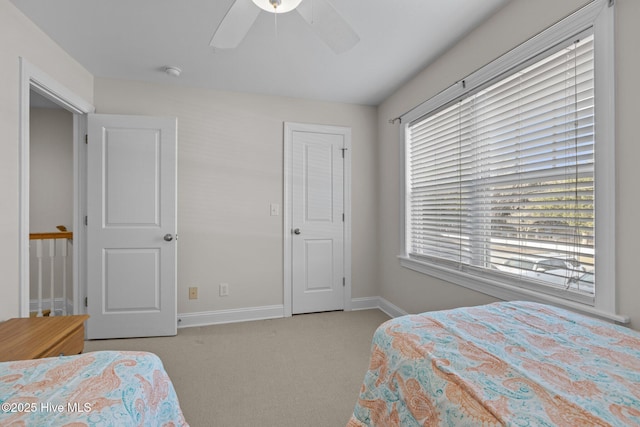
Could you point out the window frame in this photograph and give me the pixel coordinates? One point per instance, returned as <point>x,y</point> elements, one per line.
<point>598,15</point>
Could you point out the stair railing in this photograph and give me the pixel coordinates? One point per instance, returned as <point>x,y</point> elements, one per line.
<point>65,238</point>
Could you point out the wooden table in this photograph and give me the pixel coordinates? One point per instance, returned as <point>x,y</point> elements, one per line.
<point>37,337</point>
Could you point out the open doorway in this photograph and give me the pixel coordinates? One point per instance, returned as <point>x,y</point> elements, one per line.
<point>51,208</point>
<point>158,207</point>
<point>37,83</point>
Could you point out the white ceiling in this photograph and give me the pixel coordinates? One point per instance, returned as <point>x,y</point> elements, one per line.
<point>135,39</point>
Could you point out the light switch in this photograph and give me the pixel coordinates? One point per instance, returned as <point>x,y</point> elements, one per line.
<point>275,209</point>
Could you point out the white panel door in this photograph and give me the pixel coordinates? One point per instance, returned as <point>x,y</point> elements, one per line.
<point>317,220</point>
<point>131,226</point>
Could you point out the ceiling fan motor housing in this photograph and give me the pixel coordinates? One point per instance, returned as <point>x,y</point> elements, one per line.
<point>277,6</point>
<point>323,18</point>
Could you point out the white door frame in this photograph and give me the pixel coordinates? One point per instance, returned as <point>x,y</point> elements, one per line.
<point>32,78</point>
<point>289,128</point>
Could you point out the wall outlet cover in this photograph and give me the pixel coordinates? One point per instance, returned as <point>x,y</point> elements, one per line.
<point>224,289</point>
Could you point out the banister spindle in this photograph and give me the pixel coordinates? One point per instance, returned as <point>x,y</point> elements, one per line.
<point>39,257</point>
<point>52,258</point>
<point>63,253</point>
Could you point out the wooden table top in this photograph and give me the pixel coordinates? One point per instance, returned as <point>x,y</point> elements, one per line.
<point>31,337</point>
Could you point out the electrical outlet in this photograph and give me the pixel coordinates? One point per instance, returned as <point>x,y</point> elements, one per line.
<point>193,293</point>
<point>224,289</point>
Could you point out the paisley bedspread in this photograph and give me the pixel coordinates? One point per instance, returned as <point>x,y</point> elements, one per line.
<point>508,363</point>
<point>105,388</point>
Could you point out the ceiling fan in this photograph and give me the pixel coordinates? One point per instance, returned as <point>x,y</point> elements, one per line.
<point>325,21</point>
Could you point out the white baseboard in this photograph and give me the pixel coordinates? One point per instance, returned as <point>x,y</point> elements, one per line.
<point>392,310</point>
<point>380,303</point>
<point>205,318</point>
<point>367,303</point>
<point>217,317</point>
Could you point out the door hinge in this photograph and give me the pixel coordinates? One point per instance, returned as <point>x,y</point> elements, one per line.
<point>344,282</point>
<point>342,217</point>
<point>86,139</point>
<point>86,301</point>
<point>343,150</point>
<point>86,220</point>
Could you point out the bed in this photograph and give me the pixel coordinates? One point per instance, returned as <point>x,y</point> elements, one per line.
<point>105,388</point>
<point>508,363</point>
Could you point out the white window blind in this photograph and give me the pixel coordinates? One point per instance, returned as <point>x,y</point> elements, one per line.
<point>501,182</point>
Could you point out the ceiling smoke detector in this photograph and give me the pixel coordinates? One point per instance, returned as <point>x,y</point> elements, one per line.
<point>172,71</point>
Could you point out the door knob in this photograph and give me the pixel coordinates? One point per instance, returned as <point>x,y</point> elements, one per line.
<point>168,237</point>
<point>296,231</point>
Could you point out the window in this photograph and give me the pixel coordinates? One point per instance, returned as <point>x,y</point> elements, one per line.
<point>506,174</point>
<point>500,171</point>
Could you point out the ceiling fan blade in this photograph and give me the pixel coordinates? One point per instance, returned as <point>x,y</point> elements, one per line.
<point>328,25</point>
<point>235,25</point>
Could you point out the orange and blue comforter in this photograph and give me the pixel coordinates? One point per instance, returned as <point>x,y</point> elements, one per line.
<point>503,364</point>
<point>105,388</point>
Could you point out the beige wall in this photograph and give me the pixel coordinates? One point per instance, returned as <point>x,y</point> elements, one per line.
<point>51,163</point>
<point>512,25</point>
<point>20,37</point>
<point>230,168</point>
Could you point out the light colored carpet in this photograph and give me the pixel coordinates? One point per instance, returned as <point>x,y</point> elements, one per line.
<point>303,371</point>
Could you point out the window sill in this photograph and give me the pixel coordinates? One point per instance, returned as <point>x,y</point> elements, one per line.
<point>504,291</point>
